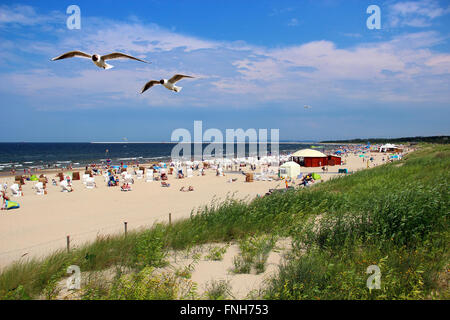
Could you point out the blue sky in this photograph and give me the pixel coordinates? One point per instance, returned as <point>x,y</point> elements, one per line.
<point>256,63</point>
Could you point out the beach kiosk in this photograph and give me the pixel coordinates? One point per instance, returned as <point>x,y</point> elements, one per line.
<point>289,170</point>
<point>334,160</point>
<point>310,158</point>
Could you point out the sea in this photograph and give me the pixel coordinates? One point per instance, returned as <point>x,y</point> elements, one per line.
<point>27,155</point>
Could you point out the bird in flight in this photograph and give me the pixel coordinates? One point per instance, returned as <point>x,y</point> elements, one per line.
<point>98,60</point>
<point>307,107</point>
<point>169,84</point>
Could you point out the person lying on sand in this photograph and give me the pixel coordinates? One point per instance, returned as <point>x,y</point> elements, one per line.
<point>306,180</point>
<point>191,188</point>
<point>165,184</point>
<point>125,187</point>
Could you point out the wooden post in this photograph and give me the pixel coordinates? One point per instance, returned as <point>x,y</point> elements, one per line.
<point>170,219</point>
<point>68,243</point>
<point>125,223</point>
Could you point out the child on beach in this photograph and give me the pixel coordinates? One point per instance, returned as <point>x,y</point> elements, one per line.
<point>4,199</point>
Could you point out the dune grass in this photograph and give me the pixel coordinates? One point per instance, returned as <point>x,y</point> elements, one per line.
<point>395,216</point>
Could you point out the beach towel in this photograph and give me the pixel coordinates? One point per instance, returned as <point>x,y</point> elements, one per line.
<point>11,205</point>
<point>316,176</point>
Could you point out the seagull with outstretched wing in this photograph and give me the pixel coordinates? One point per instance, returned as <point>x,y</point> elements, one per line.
<point>169,84</point>
<point>99,61</point>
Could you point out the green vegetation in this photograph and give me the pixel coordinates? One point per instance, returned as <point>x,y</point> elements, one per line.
<point>396,217</point>
<point>143,285</point>
<point>186,272</point>
<point>216,252</point>
<point>419,139</point>
<point>254,252</point>
<point>218,290</point>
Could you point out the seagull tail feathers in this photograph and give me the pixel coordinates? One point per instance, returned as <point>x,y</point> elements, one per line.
<point>108,66</point>
<point>177,89</point>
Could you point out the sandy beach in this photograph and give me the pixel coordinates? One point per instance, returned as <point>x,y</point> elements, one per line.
<point>42,222</point>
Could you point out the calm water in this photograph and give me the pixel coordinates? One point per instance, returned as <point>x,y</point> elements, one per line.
<point>44,155</point>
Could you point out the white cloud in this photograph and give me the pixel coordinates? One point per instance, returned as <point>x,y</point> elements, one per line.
<point>415,13</point>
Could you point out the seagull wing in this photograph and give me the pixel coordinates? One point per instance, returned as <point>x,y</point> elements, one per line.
<point>119,55</point>
<point>72,54</point>
<point>149,84</point>
<point>178,77</point>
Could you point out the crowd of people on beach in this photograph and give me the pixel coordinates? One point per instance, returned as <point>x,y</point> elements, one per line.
<point>123,175</point>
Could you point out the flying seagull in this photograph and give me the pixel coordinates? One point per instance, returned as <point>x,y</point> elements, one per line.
<point>307,107</point>
<point>98,60</point>
<point>169,84</point>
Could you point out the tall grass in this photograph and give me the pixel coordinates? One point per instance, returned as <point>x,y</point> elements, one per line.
<point>396,210</point>
<point>393,216</point>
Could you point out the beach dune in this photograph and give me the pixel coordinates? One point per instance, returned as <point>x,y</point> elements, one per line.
<point>43,222</point>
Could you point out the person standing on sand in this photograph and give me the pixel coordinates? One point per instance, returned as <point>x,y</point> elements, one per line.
<point>4,199</point>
